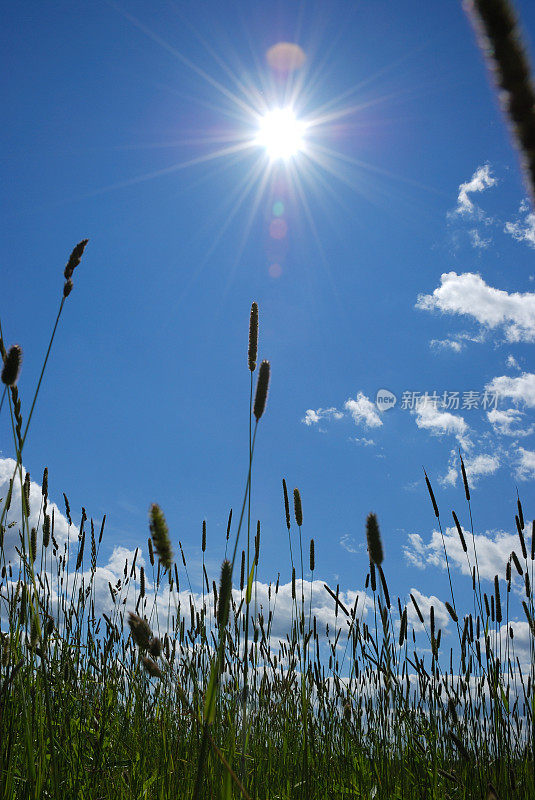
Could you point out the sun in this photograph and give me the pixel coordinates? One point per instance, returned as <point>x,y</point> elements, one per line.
<point>281,134</point>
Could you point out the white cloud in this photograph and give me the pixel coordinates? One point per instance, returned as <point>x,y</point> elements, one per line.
<point>62,533</point>
<point>363,441</point>
<point>503,422</point>
<point>519,390</point>
<point>512,362</point>
<point>446,344</point>
<point>481,465</point>
<point>480,180</point>
<point>450,478</point>
<point>468,294</point>
<point>477,240</point>
<point>313,417</point>
<point>523,231</point>
<point>438,422</point>
<point>526,467</point>
<point>349,544</point>
<point>521,641</point>
<point>476,467</point>
<point>363,411</point>
<point>493,550</point>
<point>442,617</point>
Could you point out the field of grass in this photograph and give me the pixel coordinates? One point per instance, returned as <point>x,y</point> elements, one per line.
<point>201,700</point>
<point>177,694</point>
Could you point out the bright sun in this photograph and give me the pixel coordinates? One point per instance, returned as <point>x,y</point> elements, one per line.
<point>281,133</point>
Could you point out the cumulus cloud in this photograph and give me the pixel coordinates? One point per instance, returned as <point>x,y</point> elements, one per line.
<point>521,642</point>
<point>480,180</point>
<point>493,551</point>
<point>442,617</point>
<point>363,411</point>
<point>476,466</point>
<point>519,390</point>
<point>523,230</point>
<point>504,422</point>
<point>468,294</point>
<point>481,465</point>
<point>313,417</point>
<point>446,344</point>
<point>526,466</point>
<point>429,417</point>
<point>62,531</point>
<point>512,362</point>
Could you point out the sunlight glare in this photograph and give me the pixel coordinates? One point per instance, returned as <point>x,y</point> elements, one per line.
<point>281,133</point>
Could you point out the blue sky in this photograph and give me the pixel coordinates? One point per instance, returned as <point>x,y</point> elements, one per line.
<point>404,261</point>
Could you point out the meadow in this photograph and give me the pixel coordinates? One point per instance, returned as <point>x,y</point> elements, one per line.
<point>183,694</point>
<point>164,701</point>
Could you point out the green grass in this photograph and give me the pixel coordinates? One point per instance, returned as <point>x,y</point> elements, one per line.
<point>91,707</point>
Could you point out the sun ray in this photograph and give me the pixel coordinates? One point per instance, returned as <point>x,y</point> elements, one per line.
<point>252,95</point>
<point>182,58</point>
<point>230,210</point>
<point>310,218</point>
<point>159,173</point>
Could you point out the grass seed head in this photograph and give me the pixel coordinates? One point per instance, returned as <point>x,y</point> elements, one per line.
<point>74,259</point>
<point>286,504</point>
<point>253,337</point>
<point>152,668</point>
<point>375,548</point>
<point>262,386</point>
<point>225,589</point>
<point>155,647</point>
<point>141,632</point>
<point>160,536</point>
<point>12,363</point>
<point>298,508</point>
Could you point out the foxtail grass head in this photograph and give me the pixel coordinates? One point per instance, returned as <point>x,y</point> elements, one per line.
<point>152,668</point>
<point>253,337</point>
<point>286,504</point>
<point>12,363</point>
<point>160,536</point>
<point>298,508</point>
<point>261,389</point>
<point>140,629</point>
<point>225,589</point>
<point>375,547</point>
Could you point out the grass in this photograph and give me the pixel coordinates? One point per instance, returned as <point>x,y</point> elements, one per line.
<point>196,697</point>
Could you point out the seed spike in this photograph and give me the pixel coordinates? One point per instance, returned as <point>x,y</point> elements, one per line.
<point>225,591</point>
<point>375,548</point>
<point>12,363</point>
<point>160,536</point>
<point>298,509</point>
<point>286,504</point>
<point>262,386</point>
<point>253,337</point>
<point>432,496</point>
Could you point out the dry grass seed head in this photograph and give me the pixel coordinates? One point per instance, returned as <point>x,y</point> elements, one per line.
<point>141,632</point>
<point>160,536</point>
<point>12,363</point>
